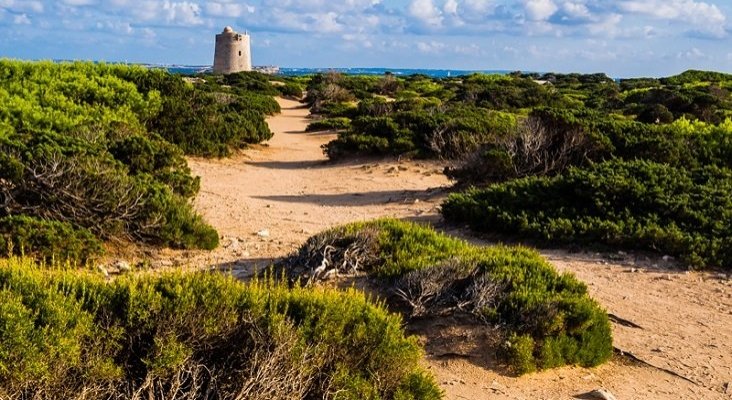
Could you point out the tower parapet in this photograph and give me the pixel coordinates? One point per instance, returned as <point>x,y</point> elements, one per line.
<point>233,52</point>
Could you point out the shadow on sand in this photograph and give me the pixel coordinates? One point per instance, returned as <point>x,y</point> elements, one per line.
<point>360,198</point>
<point>290,165</point>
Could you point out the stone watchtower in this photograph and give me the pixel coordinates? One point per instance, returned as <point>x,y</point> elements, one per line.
<point>233,52</point>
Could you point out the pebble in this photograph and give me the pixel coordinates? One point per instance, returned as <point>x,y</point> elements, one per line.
<point>122,266</point>
<point>264,233</point>
<point>601,394</point>
<point>497,387</point>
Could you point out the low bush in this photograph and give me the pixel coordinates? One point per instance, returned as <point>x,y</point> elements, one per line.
<point>546,142</point>
<point>71,335</point>
<point>23,235</point>
<point>548,318</point>
<point>371,136</point>
<point>413,128</point>
<point>291,89</point>
<point>329,124</point>
<point>100,148</point>
<point>249,81</point>
<point>211,124</point>
<point>628,204</point>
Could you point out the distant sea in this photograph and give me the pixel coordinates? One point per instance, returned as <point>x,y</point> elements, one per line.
<point>436,73</point>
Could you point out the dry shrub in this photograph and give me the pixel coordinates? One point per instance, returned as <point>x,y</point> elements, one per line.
<point>334,253</point>
<point>534,149</point>
<point>447,288</point>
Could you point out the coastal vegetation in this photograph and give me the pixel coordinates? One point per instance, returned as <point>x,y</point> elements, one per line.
<point>546,319</point>
<point>95,152</point>
<point>524,140</point>
<point>69,334</point>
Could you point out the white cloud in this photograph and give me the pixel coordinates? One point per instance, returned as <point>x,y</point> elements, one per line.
<point>432,47</point>
<point>115,26</point>
<point>327,22</point>
<point>21,19</point>
<point>426,12</point>
<point>691,54</point>
<point>182,13</point>
<point>450,7</point>
<point>540,10</point>
<point>576,10</point>
<point>22,5</point>
<point>705,16</point>
<point>231,10</point>
<point>479,6</point>
<point>79,2</point>
<point>471,49</point>
<point>607,27</point>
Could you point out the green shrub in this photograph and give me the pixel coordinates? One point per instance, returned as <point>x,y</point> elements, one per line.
<point>204,124</point>
<point>65,333</point>
<point>329,124</point>
<point>77,153</point>
<point>512,287</point>
<point>291,89</point>
<point>627,204</point>
<point>156,157</point>
<point>336,110</point>
<point>520,349</point>
<point>23,235</point>
<point>373,136</point>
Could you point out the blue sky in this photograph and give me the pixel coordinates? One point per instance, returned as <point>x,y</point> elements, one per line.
<point>619,37</point>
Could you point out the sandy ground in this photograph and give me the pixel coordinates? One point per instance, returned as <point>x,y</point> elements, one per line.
<point>267,200</point>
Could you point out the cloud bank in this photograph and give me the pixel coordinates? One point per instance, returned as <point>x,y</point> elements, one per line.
<point>485,34</point>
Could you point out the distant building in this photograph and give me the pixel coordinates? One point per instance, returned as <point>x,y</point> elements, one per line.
<point>267,69</point>
<point>233,52</point>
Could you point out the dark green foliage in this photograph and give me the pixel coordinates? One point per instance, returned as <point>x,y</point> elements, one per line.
<point>655,114</point>
<point>251,81</point>
<point>156,157</point>
<point>22,235</point>
<point>329,124</point>
<point>631,204</point>
<point>211,124</point>
<point>339,110</point>
<point>376,135</point>
<point>208,336</point>
<point>415,127</point>
<point>506,92</point>
<point>291,89</point>
<point>549,319</point>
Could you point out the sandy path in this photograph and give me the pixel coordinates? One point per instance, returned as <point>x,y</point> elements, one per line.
<point>289,190</point>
